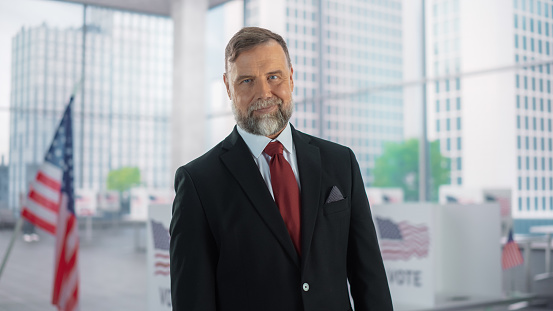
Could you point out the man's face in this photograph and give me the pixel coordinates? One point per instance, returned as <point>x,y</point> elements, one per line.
<point>260,84</point>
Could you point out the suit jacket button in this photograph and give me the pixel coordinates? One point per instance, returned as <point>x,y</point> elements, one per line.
<point>305,287</point>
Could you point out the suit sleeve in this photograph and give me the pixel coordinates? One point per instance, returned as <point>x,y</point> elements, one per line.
<point>366,274</point>
<point>192,249</point>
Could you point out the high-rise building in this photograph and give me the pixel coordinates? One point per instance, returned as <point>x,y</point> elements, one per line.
<point>495,126</point>
<point>124,117</point>
<point>337,48</point>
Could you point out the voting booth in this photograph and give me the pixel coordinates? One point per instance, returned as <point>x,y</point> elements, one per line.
<point>440,254</point>
<point>468,195</point>
<point>157,252</point>
<point>377,195</point>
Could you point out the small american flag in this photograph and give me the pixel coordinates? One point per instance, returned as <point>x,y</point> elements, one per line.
<point>511,256</point>
<point>402,241</point>
<point>161,248</point>
<point>50,205</point>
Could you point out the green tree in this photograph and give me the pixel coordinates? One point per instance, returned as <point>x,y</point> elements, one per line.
<point>123,179</point>
<point>398,166</point>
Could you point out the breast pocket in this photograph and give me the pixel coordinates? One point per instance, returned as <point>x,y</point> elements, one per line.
<point>336,207</point>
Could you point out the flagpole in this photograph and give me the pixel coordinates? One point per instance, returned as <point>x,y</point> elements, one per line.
<point>16,231</point>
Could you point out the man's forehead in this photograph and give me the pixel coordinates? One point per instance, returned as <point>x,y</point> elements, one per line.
<point>267,53</point>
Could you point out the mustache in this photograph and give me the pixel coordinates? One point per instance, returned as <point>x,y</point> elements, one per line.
<point>264,103</point>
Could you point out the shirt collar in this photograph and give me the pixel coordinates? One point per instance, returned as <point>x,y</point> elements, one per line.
<point>257,143</point>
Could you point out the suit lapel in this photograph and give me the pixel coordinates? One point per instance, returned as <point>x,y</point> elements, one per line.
<point>238,159</point>
<point>309,167</point>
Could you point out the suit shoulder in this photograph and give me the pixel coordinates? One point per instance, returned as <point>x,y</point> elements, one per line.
<point>204,161</point>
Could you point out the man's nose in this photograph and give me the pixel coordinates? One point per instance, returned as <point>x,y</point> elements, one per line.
<point>264,89</point>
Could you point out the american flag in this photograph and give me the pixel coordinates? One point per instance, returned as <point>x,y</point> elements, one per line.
<point>511,255</point>
<point>161,248</point>
<point>50,205</point>
<point>403,240</point>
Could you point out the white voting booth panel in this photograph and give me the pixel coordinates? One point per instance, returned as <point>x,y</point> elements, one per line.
<point>435,254</point>
<point>142,198</point>
<point>85,202</point>
<point>384,195</point>
<point>157,253</point>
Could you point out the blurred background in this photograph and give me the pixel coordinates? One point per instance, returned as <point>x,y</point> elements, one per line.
<point>470,79</point>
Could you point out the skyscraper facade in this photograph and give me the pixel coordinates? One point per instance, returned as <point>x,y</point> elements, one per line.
<point>122,116</point>
<point>494,125</point>
<point>341,51</point>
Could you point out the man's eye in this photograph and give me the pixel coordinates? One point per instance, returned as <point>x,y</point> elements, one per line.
<point>273,77</point>
<point>247,81</point>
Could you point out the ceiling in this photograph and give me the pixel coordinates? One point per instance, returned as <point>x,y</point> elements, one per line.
<point>156,7</point>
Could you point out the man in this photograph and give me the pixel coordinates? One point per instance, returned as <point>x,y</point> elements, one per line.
<point>272,218</point>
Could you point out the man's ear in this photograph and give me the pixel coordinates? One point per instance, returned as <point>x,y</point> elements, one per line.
<point>225,79</point>
<point>292,78</point>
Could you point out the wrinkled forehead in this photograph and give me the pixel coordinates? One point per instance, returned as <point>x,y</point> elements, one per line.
<point>268,50</point>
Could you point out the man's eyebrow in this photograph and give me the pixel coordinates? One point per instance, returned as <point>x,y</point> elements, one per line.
<point>242,77</point>
<point>275,72</point>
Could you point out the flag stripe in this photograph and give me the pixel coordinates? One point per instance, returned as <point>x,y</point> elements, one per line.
<point>47,192</point>
<point>43,201</point>
<point>38,221</point>
<point>161,264</point>
<point>45,214</point>
<point>48,182</point>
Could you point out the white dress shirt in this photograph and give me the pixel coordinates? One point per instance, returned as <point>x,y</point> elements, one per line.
<point>257,144</point>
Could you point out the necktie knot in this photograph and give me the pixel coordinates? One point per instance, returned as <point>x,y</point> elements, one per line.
<point>274,148</point>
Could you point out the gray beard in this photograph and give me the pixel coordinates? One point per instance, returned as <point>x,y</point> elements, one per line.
<point>267,124</point>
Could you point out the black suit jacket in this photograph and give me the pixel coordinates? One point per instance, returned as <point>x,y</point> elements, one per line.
<point>230,250</point>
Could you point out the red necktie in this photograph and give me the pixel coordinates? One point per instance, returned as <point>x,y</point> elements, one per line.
<point>285,190</point>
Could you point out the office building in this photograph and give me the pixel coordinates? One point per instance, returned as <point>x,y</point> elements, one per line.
<point>124,118</point>
<point>495,125</point>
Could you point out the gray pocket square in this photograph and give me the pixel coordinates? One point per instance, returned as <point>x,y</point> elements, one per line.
<point>335,195</point>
